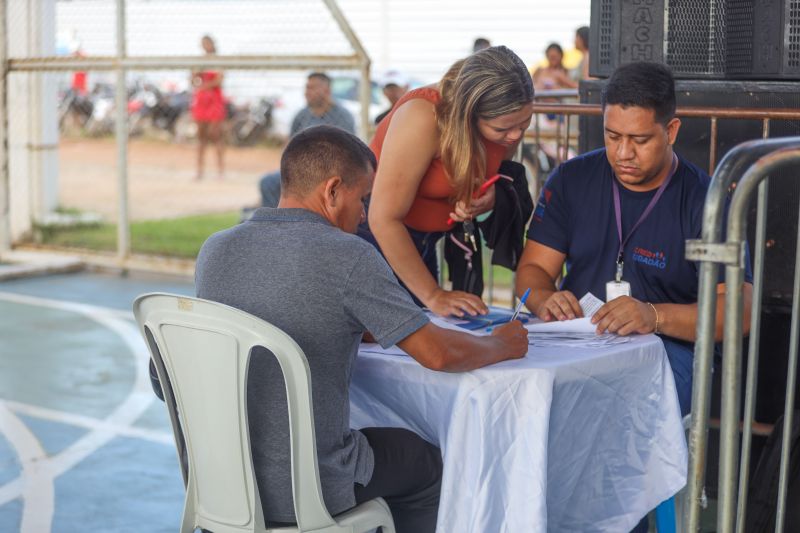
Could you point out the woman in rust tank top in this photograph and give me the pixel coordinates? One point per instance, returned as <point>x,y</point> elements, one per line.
<point>434,150</point>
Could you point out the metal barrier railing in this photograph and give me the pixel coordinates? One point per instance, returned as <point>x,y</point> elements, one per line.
<point>754,161</point>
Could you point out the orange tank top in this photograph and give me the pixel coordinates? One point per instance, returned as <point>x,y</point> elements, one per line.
<point>434,200</point>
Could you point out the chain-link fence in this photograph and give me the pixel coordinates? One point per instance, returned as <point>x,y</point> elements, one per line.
<point>73,160</point>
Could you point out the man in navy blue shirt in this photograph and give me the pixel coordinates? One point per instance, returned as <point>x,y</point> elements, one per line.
<point>619,217</point>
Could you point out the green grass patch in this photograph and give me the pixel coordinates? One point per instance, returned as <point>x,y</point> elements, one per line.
<point>175,237</point>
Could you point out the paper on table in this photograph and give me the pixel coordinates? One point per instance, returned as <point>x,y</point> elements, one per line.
<point>590,304</point>
<point>576,325</point>
<point>577,340</point>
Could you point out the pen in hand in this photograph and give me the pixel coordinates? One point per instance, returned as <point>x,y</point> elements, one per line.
<point>520,304</point>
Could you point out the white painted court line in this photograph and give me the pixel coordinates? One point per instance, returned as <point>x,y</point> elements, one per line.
<point>134,405</point>
<point>86,309</point>
<point>37,488</point>
<point>89,422</point>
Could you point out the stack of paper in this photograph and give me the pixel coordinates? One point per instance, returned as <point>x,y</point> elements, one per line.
<point>575,340</point>
<point>578,332</point>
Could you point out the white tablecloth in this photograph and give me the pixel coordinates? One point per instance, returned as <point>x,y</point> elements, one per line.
<point>562,440</point>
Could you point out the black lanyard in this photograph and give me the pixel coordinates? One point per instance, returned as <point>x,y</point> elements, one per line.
<point>647,211</point>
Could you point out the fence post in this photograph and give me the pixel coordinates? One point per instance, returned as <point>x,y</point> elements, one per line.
<point>365,94</point>
<point>5,192</point>
<point>121,119</point>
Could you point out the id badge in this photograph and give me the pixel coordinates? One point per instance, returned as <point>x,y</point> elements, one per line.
<point>615,289</point>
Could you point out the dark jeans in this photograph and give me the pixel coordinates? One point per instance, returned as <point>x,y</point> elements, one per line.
<point>681,359</point>
<point>407,474</point>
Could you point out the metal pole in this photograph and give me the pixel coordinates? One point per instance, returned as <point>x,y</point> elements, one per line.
<point>5,192</point>
<point>731,385</point>
<point>733,164</point>
<point>537,145</point>
<point>121,103</point>
<point>788,408</point>
<point>364,62</point>
<point>237,62</point>
<point>566,138</point>
<point>558,141</point>
<point>737,223</point>
<point>701,391</point>
<point>754,355</point>
<point>365,95</point>
<point>712,146</point>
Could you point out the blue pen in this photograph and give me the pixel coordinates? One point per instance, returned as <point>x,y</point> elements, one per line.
<point>521,303</point>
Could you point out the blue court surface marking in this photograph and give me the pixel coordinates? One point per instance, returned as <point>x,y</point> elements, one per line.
<point>84,443</point>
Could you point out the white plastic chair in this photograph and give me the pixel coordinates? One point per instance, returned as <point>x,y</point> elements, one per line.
<point>202,352</point>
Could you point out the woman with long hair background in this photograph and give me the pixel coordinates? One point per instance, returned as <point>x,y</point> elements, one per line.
<point>435,149</point>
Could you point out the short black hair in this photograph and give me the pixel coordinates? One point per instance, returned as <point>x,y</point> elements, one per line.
<point>583,34</point>
<point>320,76</point>
<point>319,152</point>
<point>642,84</point>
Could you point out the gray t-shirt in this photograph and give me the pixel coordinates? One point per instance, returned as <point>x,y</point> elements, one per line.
<point>324,288</point>
<point>335,116</point>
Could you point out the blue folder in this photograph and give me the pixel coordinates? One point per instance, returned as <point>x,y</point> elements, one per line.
<point>494,317</point>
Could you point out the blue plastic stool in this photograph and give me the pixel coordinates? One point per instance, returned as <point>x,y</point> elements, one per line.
<point>665,516</point>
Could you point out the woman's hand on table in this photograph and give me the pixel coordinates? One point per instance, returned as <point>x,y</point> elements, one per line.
<point>455,303</point>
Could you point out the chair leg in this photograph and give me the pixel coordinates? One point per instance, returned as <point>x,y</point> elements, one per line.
<point>665,516</point>
<point>187,521</point>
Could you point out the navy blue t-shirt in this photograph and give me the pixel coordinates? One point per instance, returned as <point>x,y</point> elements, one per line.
<point>575,215</point>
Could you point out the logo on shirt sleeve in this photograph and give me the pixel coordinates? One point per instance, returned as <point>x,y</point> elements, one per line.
<point>544,199</point>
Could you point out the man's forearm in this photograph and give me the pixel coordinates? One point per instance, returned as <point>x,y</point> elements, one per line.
<point>677,320</point>
<point>680,320</point>
<point>542,286</point>
<point>463,352</point>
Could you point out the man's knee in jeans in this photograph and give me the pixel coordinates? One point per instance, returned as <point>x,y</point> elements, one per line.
<point>270,186</point>
<point>407,474</point>
<point>681,360</point>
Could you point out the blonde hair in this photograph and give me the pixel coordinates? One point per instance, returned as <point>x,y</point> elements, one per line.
<point>488,84</point>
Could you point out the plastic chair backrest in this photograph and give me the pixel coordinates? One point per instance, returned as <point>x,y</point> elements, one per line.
<point>205,347</point>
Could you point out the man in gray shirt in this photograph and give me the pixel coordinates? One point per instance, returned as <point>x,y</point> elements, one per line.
<point>301,268</point>
<point>321,110</point>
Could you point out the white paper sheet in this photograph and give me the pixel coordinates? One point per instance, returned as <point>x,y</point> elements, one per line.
<point>576,325</point>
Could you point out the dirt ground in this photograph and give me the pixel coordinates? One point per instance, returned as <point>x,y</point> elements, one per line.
<point>161,177</point>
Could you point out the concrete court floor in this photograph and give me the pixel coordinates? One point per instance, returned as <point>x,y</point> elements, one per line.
<point>85,446</point>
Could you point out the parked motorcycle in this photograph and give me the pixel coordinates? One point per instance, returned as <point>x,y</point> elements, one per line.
<point>101,122</point>
<point>74,109</point>
<point>150,107</point>
<point>251,124</point>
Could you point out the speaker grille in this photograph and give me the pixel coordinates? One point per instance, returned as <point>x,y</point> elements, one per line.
<point>606,33</point>
<point>696,36</point>
<point>740,36</point>
<point>793,52</point>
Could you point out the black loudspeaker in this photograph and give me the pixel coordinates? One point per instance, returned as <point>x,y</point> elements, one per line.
<point>763,39</point>
<point>698,39</point>
<point>634,30</point>
<point>693,144</point>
